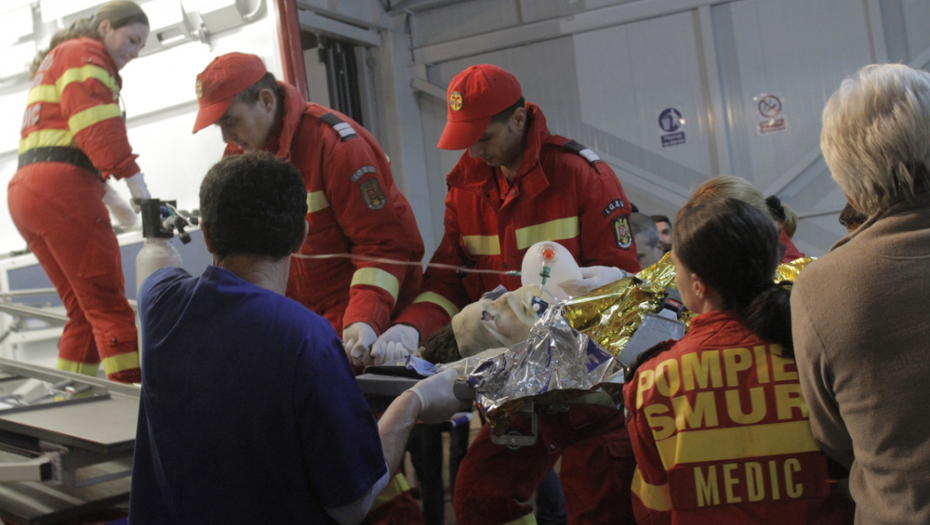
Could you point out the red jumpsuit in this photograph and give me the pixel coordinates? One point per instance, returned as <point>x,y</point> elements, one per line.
<point>561,192</point>
<point>721,434</point>
<point>73,117</point>
<point>354,208</point>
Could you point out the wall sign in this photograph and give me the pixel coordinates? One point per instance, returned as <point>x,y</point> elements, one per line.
<point>769,108</point>
<point>671,124</point>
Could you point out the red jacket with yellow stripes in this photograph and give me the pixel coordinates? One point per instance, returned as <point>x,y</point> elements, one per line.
<point>74,103</point>
<point>720,432</point>
<point>353,208</point>
<point>557,195</point>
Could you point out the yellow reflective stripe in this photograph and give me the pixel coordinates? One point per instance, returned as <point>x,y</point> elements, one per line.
<point>80,74</point>
<point>529,519</point>
<point>316,201</point>
<point>556,230</point>
<point>719,444</point>
<point>435,298</point>
<point>120,362</point>
<point>43,93</point>
<point>46,137</point>
<point>88,369</point>
<point>656,497</point>
<point>482,244</point>
<point>91,116</point>
<point>377,277</point>
<point>397,486</point>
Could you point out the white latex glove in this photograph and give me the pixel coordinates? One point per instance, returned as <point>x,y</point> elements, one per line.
<point>397,342</point>
<point>118,206</point>
<point>593,277</point>
<point>138,190</point>
<point>437,401</point>
<point>358,338</point>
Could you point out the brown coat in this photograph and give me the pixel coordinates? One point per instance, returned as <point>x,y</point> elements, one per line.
<point>861,322</point>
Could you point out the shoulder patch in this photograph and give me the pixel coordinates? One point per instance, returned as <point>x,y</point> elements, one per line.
<point>612,206</point>
<point>580,149</point>
<point>362,171</point>
<point>622,232</point>
<point>373,196</point>
<point>345,130</point>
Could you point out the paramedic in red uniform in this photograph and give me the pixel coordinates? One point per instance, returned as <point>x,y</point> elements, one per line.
<point>518,184</point>
<point>354,209</point>
<point>717,420</point>
<point>73,138</point>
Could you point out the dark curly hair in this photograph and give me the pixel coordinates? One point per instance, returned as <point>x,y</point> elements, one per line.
<point>733,247</point>
<point>254,203</point>
<point>120,13</point>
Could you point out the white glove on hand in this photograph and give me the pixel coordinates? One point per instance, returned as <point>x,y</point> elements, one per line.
<point>437,400</point>
<point>397,342</point>
<point>593,277</point>
<point>358,339</point>
<point>118,206</point>
<point>138,190</point>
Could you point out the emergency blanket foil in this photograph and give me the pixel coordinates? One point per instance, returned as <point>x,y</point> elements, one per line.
<point>553,366</point>
<point>573,350</point>
<point>611,314</point>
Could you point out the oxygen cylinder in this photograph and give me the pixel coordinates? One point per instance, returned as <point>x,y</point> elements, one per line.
<point>548,263</point>
<point>155,254</point>
<point>157,251</point>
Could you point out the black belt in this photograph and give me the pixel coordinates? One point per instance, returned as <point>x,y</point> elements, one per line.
<point>72,156</point>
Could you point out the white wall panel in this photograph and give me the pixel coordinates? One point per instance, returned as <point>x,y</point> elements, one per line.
<point>159,97</point>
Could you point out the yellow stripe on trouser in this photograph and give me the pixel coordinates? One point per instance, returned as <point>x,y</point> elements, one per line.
<point>435,298</point>
<point>482,244</point>
<point>556,230</point>
<point>88,369</point>
<point>397,486</point>
<point>656,497</point>
<point>120,362</point>
<point>46,137</point>
<point>316,201</point>
<point>50,93</point>
<point>377,277</point>
<point>91,116</point>
<point>719,444</point>
<point>529,519</point>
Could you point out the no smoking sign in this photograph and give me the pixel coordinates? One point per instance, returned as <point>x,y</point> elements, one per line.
<point>769,106</point>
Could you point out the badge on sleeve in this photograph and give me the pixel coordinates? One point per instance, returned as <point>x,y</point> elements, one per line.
<point>374,197</point>
<point>622,232</point>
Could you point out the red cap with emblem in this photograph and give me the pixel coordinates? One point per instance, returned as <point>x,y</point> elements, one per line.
<point>474,96</point>
<point>225,77</point>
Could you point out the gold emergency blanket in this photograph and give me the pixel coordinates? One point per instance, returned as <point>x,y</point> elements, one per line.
<point>558,364</point>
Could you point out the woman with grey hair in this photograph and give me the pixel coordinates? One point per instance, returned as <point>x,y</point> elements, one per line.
<point>860,317</point>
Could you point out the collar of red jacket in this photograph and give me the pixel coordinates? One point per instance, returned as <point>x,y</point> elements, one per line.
<point>721,325</point>
<point>294,105</point>
<point>474,176</point>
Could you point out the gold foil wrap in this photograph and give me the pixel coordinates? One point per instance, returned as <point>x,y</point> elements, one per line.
<point>547,367</point>
<point>611,314</point>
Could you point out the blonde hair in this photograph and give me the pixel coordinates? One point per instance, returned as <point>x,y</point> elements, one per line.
<point>876,135</point>
<point>727,186</point>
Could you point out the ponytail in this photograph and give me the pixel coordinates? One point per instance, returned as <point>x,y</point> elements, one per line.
<point>768,315</point>
<point>82,27</point>
<point>120,13</point>
<point>786,217</point>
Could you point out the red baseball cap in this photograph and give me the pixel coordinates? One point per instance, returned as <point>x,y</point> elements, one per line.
<point>474,96</point>
<point>225,77</point>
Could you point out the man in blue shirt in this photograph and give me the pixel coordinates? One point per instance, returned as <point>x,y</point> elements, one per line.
<point>250,412</point>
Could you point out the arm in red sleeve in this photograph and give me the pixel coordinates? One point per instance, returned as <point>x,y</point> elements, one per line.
<point>443,294</point>
<point>377,221</point>
<point>651,496</point>
<point>603,214</point>
<point>89,101</point>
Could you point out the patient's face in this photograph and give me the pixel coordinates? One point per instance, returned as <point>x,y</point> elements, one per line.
<point>495,323</point>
